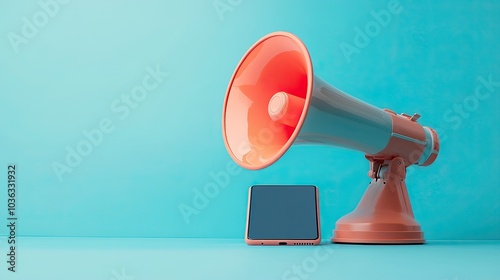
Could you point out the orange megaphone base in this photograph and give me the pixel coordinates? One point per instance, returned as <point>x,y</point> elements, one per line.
<point>384,214</point>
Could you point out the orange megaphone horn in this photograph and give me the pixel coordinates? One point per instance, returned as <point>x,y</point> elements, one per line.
<point>274,101</point>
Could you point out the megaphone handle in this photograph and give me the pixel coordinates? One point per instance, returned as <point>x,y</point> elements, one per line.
<point>387,169</point>
<point>384,215</point>
<point>392,192</point>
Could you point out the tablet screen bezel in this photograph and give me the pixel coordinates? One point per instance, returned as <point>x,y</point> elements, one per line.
<point>283,241</point>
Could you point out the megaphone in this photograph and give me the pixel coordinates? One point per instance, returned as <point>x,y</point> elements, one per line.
<point>274,100</point>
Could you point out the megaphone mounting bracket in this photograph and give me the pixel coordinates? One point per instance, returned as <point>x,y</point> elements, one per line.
<point>384,215</point>
<point>381,169</point>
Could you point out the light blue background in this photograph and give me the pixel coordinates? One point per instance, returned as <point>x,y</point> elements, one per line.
<point>64,80</point>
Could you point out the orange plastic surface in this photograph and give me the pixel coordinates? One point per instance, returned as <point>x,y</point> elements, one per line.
<point>279,62</point>
<point>384,215</point>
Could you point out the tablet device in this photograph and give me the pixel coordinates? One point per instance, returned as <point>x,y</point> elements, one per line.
<point>283,215</point>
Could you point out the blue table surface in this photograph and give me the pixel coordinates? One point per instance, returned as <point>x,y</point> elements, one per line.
<point>152,259</point>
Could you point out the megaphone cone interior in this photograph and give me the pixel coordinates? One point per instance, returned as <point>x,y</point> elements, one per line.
<point>267,100</point>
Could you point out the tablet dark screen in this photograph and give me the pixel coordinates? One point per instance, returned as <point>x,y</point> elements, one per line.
<point>283,212</point>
